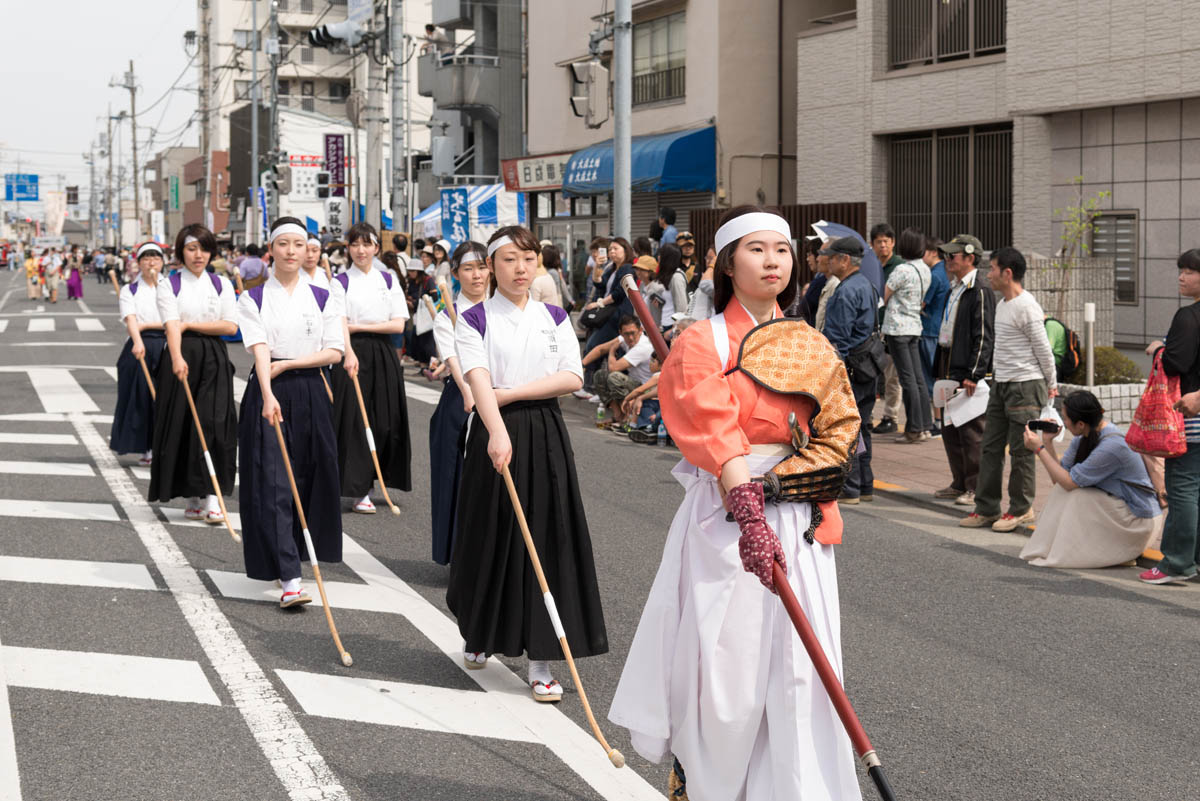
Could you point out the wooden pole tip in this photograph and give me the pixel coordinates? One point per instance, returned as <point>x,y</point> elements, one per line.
<point>347,661</point>
<point>396,511</point>
<point>617,758</point>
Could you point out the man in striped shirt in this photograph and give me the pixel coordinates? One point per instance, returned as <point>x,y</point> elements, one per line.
<point>1023,382</point>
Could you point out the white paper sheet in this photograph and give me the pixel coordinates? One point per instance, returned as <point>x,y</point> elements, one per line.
<point>962,408</point>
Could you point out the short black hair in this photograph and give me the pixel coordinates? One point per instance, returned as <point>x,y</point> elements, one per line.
<point>882,229</point>
<point>642,246</point>
<point>1189,260</point>
<point>1007,258</point>
<point>400,242</point>
<point>911,244</point>
<point>208,242</point>
<point>252,250</point>
<point>418,244</point>
<point>430,27</point>
<point>667,213</point>
<point>629,319</point>
<point>364,231</point>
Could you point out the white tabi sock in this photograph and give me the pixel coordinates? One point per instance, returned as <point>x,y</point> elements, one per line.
<point>194,502</point>
<point>290,585</point>
<point>149,455</point>
<point>366,499</point>
<point>539,670</point>
<point>213,505</point>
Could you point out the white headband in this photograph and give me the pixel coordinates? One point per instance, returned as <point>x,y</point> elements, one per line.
<point>287,228</point>
<point>499,243</point>
<point>738,227</point>
<point>187,240</point>
<point>149,247</point>
<point>469,257</point>
<point>312,240</point>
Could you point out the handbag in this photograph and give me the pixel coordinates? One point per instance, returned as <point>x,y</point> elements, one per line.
<point>1157,428</point>
<point>867,360</point>
<point>597,316</point>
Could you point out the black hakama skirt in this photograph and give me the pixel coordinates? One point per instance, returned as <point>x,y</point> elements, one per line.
<point>445,468</point>
<point>133,419</point>
<point>382,382</point>
<point>493,590</point>
<point>272,539</point>
<point>179,470</point>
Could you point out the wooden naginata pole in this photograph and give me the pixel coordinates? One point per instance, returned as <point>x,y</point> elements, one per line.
<point>149,380</point>
<point>614,756</point>
<point>448,301</point>
<point>362,408</point>
<point>212,471</point>
<point>829,678</point>
<point>308,544</point>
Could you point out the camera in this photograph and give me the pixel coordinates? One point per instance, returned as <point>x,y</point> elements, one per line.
<point>1048,426</point>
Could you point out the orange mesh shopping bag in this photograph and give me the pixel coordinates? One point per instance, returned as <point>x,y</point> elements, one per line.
<point>1157,428</point>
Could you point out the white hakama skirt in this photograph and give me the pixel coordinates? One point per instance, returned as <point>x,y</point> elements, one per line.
<point>718,676</point>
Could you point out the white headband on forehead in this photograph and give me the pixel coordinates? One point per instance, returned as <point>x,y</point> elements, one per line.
<point>287,228</point>
<point>149,247</point>
<point>189,239</point>
<point>312,240</point>
<point>469,257</point>
<point>738,227</point>
<point>499,243</point>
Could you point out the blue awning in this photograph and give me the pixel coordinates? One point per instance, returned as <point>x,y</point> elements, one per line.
<point>683,161</point>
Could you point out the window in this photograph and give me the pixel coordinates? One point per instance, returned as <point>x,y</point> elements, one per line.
<point>1114,236</point>
<point>285,87</point>
<point>241,38</point>
<point>934,31</point>
<point>306,55</point>
<point>284,39</point>
<point>306,6</point>
<point>955,181</point>
<point>659,50</point>
<point>282,5</point>
<point>241,90</point>
<point>339,90</point>
<point>306,88</point>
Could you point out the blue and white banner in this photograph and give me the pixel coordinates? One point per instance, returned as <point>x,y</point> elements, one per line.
<point>456,215</point>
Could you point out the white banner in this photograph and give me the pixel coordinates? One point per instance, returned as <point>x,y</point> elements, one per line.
<point>158,226</point>
<point>55,205</point>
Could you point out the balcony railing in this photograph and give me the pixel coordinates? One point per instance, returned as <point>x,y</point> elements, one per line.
<point>460,81</point>
<point>661,85</point>
<point>934,31</point>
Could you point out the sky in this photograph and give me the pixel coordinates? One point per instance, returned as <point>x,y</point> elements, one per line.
<point>56,63</point>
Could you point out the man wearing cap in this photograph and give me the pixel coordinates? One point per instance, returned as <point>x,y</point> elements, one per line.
<point>964,354</point>
<point>849,321</point>
<point>687,246</point>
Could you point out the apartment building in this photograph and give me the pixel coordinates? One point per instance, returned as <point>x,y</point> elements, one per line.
<point>714,113</point>
<point>987,116</point>
<point>169,190</point>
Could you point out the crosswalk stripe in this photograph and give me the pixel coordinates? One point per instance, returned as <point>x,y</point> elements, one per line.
<point>51,417</point>
<point>77,469</point>
<point>76,573</point>
<point>58,510</point>
<point>121,675</point>
<point>88,324</point>
<point>10,776</point>
<point>143,474</point>
<point>3,326</point>
<point>33,438</point>
<point>422,394</point>
<point>58,390</point>
<point>38,325</point>
<point>49,344</point>
<point>412,706</point>
<point>239,388</point>
<point>342,594</point>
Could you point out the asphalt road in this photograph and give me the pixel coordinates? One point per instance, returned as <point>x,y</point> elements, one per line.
<point>146,669</point>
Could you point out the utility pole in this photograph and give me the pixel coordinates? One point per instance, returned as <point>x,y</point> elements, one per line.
<point>254,228</point>
<point>622,114</point>
<point>376,79</point>
<point>108,145</point>
<point>400,159</point>
<point>131,85</point>
<point>273,49</point>
<point>205,98</point>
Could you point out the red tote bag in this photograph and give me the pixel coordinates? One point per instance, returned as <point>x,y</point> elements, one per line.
<point>1157,429</point>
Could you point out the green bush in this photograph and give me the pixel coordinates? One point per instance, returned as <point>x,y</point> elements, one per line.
<point>1112,367</point>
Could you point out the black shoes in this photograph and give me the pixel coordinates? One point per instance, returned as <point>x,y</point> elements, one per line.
<point>885,426</point>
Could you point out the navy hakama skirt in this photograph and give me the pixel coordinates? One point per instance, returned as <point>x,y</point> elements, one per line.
<point>272,539</point>
<point>445,468</point>
<point>493,590</point>
<point>179,469</point>
<point>133,419</point>
<point>382,382</point>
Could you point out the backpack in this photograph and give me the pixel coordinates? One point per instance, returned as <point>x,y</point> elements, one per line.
<point>1069,363</point>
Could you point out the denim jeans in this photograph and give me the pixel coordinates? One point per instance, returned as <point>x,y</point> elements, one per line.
<point>928,354</point>
<point>861,480</point>
<point>906,355</point>
<point>1180,540</point>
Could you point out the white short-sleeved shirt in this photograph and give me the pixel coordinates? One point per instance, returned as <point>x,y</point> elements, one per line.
<point>189,298</point>
<point>294,325</point>
<point>515,345</point>
<point>366,298</point>
<point>141,300</point>
<point>443,329</point>
<point>318,278</point>
<point>639,359</point>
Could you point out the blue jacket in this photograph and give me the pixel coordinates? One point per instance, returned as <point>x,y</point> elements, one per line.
<point>935,300</point>
<point>850,313</point>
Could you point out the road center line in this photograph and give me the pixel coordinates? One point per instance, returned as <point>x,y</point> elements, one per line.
<point>301,770</point>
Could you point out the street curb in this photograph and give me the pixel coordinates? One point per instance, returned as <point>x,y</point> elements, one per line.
<point>916,500</point>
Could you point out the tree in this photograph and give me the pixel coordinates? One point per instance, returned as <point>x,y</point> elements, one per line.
<point>1078,221</point>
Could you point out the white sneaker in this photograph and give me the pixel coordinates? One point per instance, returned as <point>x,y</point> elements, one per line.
<point>582,394</point>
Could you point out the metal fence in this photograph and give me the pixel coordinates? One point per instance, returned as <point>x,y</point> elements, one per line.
<point>704,224</point>
<point>1062,286</point>
<point>661,85</point>
<point>931,31</point>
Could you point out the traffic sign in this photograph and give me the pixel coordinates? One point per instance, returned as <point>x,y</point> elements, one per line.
<point>20,186</point>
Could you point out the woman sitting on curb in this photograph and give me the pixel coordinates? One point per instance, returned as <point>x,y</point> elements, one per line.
<point>1103,510</point>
